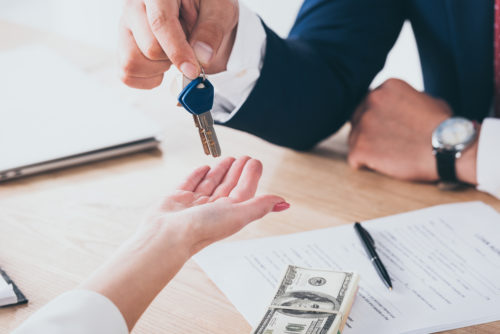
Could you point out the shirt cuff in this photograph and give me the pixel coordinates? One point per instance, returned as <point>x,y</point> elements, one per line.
<point>488,157</point>
<point>76,312</point>
<point>233,86</point>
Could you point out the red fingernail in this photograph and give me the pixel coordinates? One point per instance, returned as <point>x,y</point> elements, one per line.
<point>281,207</point>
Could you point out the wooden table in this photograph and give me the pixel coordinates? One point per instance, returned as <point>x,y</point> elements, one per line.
<point>56,228</point>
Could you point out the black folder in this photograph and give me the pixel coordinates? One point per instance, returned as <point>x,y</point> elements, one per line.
<point>21,299</point>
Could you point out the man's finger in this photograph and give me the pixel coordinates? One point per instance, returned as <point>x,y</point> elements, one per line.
<point>215,20</point>
<point>133,63</point>
<point>353,137</point>
<point>137,21</point>
<point>355,158</point>
<point>142,83</point>
<point>163,18</point>
<point>248,182</point>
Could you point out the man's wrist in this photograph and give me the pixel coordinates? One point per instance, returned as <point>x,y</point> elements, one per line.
<point>456,161</point>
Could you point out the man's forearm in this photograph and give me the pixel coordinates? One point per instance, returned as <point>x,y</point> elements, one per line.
<point>311,81</point>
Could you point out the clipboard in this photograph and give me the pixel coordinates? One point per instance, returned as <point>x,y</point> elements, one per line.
<point>21,298</point>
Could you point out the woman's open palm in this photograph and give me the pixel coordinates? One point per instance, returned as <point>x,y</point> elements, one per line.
<point>217,202</point>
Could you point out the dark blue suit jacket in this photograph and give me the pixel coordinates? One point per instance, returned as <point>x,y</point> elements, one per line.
<point>311,82</point>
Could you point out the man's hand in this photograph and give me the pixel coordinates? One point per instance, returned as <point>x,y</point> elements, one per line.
<point>392,130</point>
<point>154,34</point>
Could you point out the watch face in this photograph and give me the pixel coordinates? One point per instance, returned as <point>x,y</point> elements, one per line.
<point>454,134</point>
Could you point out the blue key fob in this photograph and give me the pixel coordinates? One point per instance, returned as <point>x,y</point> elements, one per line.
<point>198,96</point>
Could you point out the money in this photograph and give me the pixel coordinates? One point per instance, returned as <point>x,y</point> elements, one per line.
<point>310,301</point>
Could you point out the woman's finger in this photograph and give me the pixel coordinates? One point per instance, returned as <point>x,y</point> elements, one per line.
<point>231,179</point>
<point>194,179</point>
<point>258,207</point>
<point>214,177</point>
<point>228,218</point>
<point>248,182</point>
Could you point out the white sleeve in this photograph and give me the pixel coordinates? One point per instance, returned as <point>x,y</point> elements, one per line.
<point>233,86</point>
<point>488,157</point>
<point>76,312</point>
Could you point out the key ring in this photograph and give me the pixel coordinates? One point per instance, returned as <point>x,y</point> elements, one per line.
<point>203,75</point>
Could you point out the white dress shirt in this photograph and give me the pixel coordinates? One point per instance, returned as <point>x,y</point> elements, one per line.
<point>233,87</point>
<point>76,312</point>
<point>488,157</point>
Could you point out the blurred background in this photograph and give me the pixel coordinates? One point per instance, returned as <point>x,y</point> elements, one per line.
<point>95,22</point>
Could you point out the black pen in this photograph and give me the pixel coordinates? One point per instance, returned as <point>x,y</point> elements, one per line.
<point>369,245</point>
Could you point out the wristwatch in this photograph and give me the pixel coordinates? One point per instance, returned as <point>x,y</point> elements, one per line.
<point>449,140</point>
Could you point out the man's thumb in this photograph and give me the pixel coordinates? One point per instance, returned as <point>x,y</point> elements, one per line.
<point>206,40</point>
<point>216,19</point>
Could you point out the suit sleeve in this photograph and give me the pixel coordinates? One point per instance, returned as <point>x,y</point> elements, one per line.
<point>311,81</point>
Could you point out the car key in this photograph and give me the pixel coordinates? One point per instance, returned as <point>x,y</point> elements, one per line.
<point>197,98</point>
<point>203,139</point>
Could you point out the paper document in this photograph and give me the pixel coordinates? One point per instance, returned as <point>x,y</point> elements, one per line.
<point>444,262</point>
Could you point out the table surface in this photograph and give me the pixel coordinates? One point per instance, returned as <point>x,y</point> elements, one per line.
<point>58,227</point>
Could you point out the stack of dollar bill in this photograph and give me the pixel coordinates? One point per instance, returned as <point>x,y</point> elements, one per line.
<point>310,301</point>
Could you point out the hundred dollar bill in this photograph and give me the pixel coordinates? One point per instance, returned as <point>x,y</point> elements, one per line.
<point>310,301</point>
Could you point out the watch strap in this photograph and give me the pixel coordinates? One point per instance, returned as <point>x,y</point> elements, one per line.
<point>446,165</point>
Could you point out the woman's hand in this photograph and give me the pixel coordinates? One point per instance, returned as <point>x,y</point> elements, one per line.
<point>211,204</point>
<point>214,203</point>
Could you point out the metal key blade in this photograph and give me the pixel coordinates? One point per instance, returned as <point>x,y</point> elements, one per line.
<point>207,124</point>
<point>201,132</point>
<point>203,138</point>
